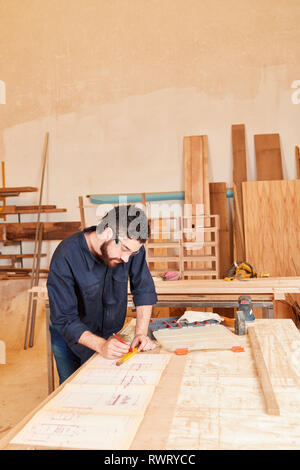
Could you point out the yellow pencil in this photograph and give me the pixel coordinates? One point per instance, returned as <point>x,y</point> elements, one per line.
<point>127,356</point>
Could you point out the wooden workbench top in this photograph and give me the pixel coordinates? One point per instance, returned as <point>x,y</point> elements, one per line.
<point>213,400</point>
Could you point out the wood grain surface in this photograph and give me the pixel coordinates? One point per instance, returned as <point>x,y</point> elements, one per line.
<point>272,226</point>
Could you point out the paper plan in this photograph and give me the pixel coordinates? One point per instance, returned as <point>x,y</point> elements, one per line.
<point>100,408</point>
<point>103,398</point>
<point>137,362</point>
<point>117,376</point>
<point>80,431</point>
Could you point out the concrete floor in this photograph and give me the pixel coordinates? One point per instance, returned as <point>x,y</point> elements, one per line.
<point>23,379</point>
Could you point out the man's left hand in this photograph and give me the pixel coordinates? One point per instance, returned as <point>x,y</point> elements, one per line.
<point>143,343</point>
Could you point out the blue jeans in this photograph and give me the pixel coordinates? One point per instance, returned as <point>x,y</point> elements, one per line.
<point>66,361</point>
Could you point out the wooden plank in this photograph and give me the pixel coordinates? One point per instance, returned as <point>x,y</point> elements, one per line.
<point>219,286</point>
<point>218,205</point>
<point>10,210</point>
<point>25,231</point>
<point>272,226</point>
<point>81,210</point>
<point>21,189</point>
<point>196,180</point>
<point>275,361</point>
<point>239,236</point>
<point>239,176</point>
<point>239,153</point>
<point>18,256</point>
<point>272,405</point>
<point>268,157</point>
<point>2,199</point>
<point>297,155</point>
<point>10,269</point>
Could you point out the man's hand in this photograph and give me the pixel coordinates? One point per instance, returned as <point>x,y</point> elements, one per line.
<point>143,343</point>
<point>113,349</point>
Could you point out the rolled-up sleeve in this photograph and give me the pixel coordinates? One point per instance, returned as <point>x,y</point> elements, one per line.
<point>63,301</point>
<point>141,283</point>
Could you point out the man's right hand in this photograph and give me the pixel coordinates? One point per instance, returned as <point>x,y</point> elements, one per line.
<point>113,349</point>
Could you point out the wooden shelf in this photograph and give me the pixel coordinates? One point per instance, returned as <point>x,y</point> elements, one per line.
<point>8,192</point>
<point>26,231</point>
<point>20,255</point>
<point>20,270</point>
<point>11,210</point>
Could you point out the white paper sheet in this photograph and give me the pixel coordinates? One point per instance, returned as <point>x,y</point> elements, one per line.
<point>117,376</point>
<point>109,399</point>
<point>78,430</point>
<point>137,362</point>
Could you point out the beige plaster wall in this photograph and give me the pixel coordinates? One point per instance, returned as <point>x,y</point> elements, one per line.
<point>118,83</point>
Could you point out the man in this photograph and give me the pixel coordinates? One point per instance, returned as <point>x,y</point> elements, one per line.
<point>87,288</point>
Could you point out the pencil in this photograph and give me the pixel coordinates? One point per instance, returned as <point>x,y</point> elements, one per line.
<point>126,357</point>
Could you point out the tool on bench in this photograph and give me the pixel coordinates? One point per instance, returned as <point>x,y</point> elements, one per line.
<point>240,270</point>
<point>244,314</point>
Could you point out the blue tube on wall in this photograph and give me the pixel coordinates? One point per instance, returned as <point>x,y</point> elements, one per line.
<point>132,198</point>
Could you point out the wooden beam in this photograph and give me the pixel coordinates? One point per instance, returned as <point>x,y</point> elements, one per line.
<point>272,405</point>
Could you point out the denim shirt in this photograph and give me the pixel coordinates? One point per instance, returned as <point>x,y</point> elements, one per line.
<point>85,294</point>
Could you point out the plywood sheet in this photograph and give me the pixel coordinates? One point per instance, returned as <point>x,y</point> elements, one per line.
<point>268,157</point>
<point>272,226</point>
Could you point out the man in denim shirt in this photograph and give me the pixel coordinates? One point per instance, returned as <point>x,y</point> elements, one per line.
<point>87,287</point>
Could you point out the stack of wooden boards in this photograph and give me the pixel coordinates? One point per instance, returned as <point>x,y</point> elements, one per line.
<point>266,225</point>
<point>265,216</point>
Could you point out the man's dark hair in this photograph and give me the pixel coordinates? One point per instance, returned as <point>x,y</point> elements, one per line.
<point>128,221</point>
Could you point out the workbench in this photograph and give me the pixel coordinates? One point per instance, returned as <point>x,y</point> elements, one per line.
<point>213,400</point>
<point>198,293</point>
<point>217,293</point>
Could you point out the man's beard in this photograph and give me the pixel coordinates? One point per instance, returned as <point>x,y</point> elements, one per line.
<point>111,262</point>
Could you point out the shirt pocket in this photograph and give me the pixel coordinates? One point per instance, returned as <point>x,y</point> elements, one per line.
<point>93,290</point>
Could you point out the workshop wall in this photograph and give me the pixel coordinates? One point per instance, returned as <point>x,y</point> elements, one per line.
<point>119,83</point>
